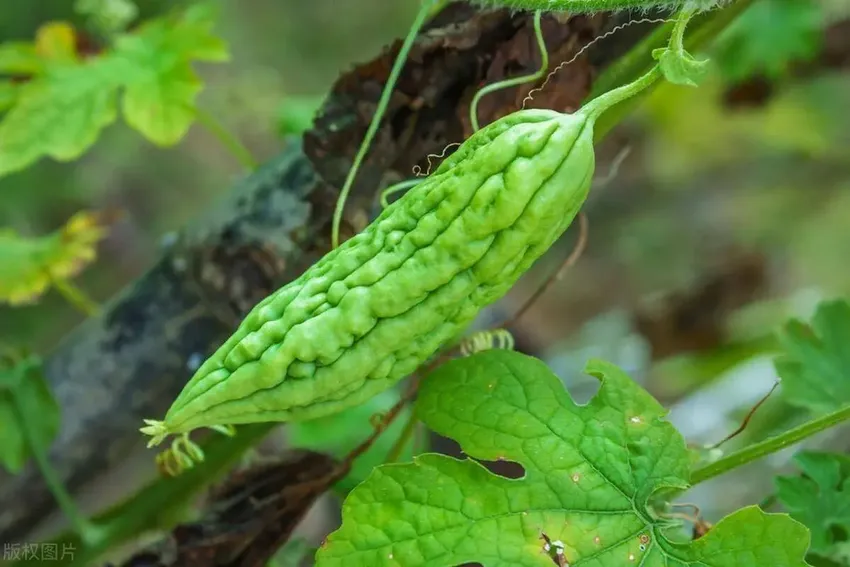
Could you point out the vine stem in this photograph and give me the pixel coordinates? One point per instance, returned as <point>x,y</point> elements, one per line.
<point>537,75</point>
<point>87,531</point>
<point>677,37</point>
<point>603,102</point>
<point>422,16</point>
<point>769,446</point>
<point>76,296</point>
<point>236,148</point>
<point>404,438</point>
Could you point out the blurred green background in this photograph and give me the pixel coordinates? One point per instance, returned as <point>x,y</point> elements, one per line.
<point>282,52</point>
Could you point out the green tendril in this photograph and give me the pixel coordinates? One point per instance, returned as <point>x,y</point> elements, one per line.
<point>674,51</point>
<point>507,83</point>
<point>421,17</point>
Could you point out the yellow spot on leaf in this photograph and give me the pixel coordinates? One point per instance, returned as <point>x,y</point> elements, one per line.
<point>56,41</point>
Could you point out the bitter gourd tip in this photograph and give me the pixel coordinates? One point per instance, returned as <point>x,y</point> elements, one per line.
<point>157,430</point>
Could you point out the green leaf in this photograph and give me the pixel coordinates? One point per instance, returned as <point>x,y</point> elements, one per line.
<point>59,115</point>
<point>24,392</point>
<point>590,471</point>
<point>680,67</point>
<point>815,368</point>
<point>820,498</point>
<point>161,86</point>
<point>20,58</point>
<point>8,94</point>
<point>339,433</point>
<point>60,111</point>
<point>769,36</point>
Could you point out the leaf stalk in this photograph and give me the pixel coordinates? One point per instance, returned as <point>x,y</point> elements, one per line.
<point>769,446</point>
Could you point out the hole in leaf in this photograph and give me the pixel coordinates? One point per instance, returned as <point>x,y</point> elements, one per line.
<point>506,469</point>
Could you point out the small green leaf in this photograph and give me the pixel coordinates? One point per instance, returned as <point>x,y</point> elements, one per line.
<point>161,86</point>
<point>820,498</point>
<point>815,366</point>
<point>24,392</point>
<point>339,433</point>
<point>590,471</point>
<point>161,106</point>
<point>60,112</point>
<point>681,68</point>
<point>60,116</point>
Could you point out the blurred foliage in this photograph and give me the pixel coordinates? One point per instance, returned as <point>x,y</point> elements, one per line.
<point>815,366</point>
<point>161,190</point>
<point>63,97</point>
<point>293,553</point>
<point>108,15</point>
<point>29,413</point>
<point>339,434</point>
<point>296,114</point>
<point>769,37</point>
<point>820,498</point>
<point>31,265</point>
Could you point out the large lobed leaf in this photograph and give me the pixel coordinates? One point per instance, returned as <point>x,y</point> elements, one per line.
<point>815,366</point>
<point>589,474</point>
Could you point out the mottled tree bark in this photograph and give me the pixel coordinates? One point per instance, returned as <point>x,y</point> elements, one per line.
<point>130,363</point>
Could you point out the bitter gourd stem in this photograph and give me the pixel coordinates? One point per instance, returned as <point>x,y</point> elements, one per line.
<point>677,37</point>
<point>421,17</point>
<point>770,446</point>
<point>600,104</point>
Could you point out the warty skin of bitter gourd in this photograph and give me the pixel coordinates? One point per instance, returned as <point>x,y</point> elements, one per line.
<point>374,309</point>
